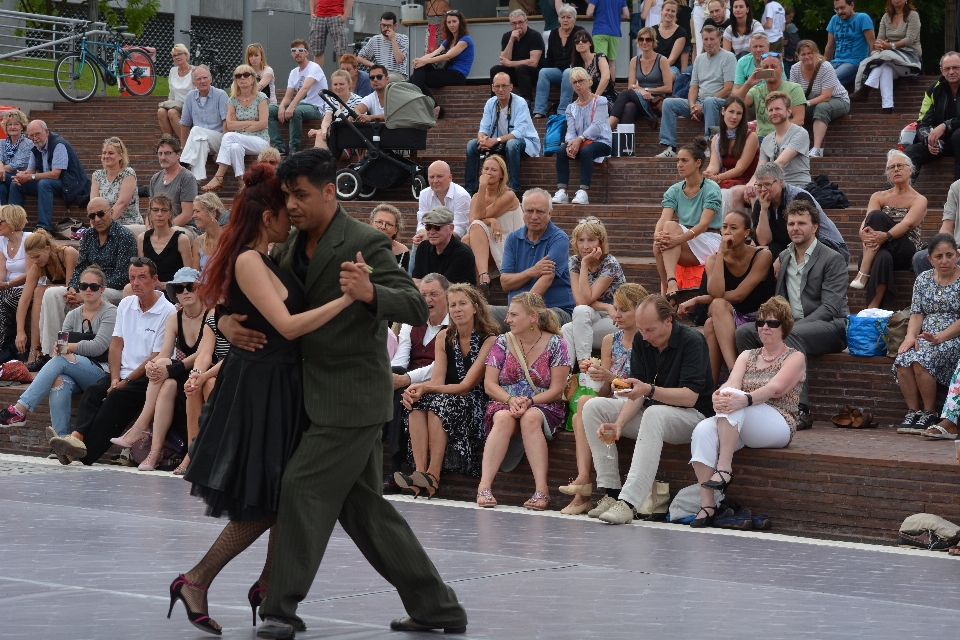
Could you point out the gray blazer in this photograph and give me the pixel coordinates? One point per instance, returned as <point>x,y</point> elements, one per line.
<point>823,285</point>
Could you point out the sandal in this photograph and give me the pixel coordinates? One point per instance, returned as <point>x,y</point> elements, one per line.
<point>484,287</point>
<point>426,481</point>
<point>954,550</point>
<point>539,501</point>
<point>671,296</point>
<point>211,187</point>
<point>123,442</point>
<point>938,432</point>
<point>181,470</point>
<point>856,283</point>
<point>721,484</point>
<point>406,484</point>
<point>706,521</point>
<point>538,116</point>
<point>485,498</point>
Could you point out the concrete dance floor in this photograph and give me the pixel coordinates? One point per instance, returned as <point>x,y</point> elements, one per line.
<point>89,553</point>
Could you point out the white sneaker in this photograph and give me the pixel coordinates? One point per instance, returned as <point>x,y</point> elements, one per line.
<point>605,503</point>
<point>667,153</point>
<point>560,197</point>
<point>619,513</point>
<point>580,197</point>
<point>815,153</point>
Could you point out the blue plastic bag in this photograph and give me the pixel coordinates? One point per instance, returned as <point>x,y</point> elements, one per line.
<point>866,336</point>
<point>556,129</point>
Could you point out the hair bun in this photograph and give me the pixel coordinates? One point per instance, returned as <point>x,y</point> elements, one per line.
<point>257,173</point>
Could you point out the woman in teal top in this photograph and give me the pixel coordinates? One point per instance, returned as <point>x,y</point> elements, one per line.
<point>456,50</point>
<point>688,231</point>
<point>246,126</point>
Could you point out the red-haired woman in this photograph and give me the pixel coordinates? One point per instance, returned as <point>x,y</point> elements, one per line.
<point>255,416</point>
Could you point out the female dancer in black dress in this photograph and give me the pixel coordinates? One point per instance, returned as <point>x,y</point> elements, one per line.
<point>253,420</point>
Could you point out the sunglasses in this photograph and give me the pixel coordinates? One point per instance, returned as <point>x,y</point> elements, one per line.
<point>181,288</point>
<point>297,50</point>
<point>97,214</point>
<point>434,227</point>
<point>773,324</point>
<point>593,219</point>
<point>377,76</point>
<point>140,260</point>
<point>771,54</point>
<point>452,12</point>
<point>581,41</point>
<point>93,286</point>
<point>245,74</point>
<point>644,39</point>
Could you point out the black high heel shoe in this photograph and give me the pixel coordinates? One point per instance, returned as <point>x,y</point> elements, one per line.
<point>406,484</point>
<point>706,521</point>
<point>426,482</point>
<point>722,483</point>
<point>255,596</point>
<point>201,621</point>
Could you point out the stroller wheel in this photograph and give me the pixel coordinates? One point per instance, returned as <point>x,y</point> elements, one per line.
<point>367,192</point>
<point>419,184</point>
<point>349,184</point>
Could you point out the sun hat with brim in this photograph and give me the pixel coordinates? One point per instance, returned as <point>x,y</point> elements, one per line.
<point>184,275</point>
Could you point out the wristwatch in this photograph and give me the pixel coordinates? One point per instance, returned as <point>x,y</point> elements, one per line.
<point>34,177</point>
<point>127,380</point>
<point>498,140</point>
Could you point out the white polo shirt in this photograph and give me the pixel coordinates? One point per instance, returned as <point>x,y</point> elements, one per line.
<point>142,331</point>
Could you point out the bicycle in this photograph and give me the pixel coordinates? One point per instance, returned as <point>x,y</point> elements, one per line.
<point>76,76</point>
<point>202,55</point>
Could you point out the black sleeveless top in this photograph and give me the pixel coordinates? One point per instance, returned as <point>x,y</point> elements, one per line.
<point>62,278</point>
<point>183,350</point>
<point>760,294</point>
<point>458,363</point>
<point>168,260</point>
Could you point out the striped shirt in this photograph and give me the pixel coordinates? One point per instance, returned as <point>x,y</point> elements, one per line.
<point>826,79</point>
<point>380,50</point>
<point>352,102</point>
<point>222,347</point>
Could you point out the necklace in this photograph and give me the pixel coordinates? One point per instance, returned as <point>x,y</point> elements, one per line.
<point>526,352</point>
<point>935,274</point>
<point>768,360</point>
<point>193,317</point>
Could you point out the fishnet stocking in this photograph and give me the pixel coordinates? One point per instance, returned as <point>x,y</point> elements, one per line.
<point>235,537</point>
<point>264,580</point>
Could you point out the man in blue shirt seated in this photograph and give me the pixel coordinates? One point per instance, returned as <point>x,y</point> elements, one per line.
<point>505,129</point>
<point>850,38</point>
<point>536,258</point>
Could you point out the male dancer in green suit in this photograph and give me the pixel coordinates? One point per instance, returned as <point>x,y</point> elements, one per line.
<point>335,473</point>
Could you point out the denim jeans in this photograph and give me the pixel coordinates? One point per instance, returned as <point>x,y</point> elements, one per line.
<point>300,113</point>
<point>5,185</point>
<point>76,378</point>
<point>586,157</point>
<point>674,108</point>
<point>515,149</point>
<point>549,77</point>
<point>846,72</point>
<point>44,190</point>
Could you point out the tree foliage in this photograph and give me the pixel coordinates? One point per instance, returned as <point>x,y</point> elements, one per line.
<point>134,13</point>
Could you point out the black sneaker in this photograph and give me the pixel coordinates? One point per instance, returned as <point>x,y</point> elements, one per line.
<point>911,418</point>
<point>926,419</point>
<point>804,420</point>
<point>36,365</point>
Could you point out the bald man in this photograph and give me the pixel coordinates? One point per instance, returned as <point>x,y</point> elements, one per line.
<point>443,192</point>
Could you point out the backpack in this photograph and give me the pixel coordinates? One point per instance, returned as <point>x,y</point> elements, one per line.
<point>827,194</point>
<point>556,131</point>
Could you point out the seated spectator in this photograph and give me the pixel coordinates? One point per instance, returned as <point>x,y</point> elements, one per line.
<point>359,80</point>
<point>938,129</point>
<point>890,233</point>
<point>688,231</point>
<point>827,100</point>
<point>607,16</point>
<point>614,363</point>
<point>269,156</point>
<point>735,151</point>
<point>456,51</point>
<point>710,84</point>
<point>203,123</point>
<point>495,213</point>
<point>73,369</point>
<point>771,197</point>
<point>754,92</point>
<point>820,310</point>
<point>168,248</point>
<point>506,129</point>
<point>388,48</point>
<point>520,52</point>
<point>443,192</point>
<point>556,62</point>
<point>596,65</point>
<point>412,363</point>
<point>443,252</point>
<point>736,281</point>
<point>526,372</point>
<point>169,370</point>
<point>746,65</point>
<point>116,183</point>
<point>48,266</point>
<point>445,414</point>
<point>896,53</point>
<point>387,218</point>
<point>109,246</point>
<point>207,211</point>
<point>670,396</point>
<point>921,261</point>
<point>736,37</point>
<point>672,38</point>
<point>850,38</point>
<point>15,150</point>
<point>245,127</point>
<point>596,275</point>
<point>53,169</point>
<point>180,81</point>
<point>13,271</point>
<point>302,99</point>
<point>788,145</point>
<point>256,58</point>
<point>340,85</point>
<point>588,138</point>
<point>719,17</point>
<point>370,108</point>
<point>756,407</point>
<point>650,79</point>
<point>931,348</point>
<point>535,258</point>
<point>109,404</point>
<point>174,181</point>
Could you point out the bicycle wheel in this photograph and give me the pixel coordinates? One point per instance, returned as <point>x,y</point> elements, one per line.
<point>77,80</point>
<point>137,73</point>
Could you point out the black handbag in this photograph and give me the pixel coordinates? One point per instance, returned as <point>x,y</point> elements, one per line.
<point>82,336</point>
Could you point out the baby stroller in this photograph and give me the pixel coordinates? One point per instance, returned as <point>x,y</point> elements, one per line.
<point>409,114</point>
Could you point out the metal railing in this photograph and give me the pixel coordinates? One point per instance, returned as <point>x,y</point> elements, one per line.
<point>31,43</point>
